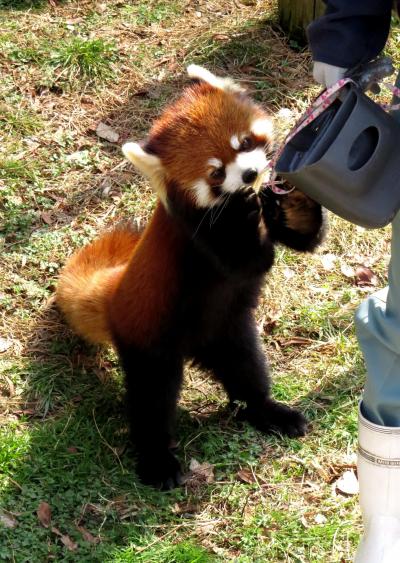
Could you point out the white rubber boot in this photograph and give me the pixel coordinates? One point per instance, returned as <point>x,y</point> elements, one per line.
<point>379,479</point>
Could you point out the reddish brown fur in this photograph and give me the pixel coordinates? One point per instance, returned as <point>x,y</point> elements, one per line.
<point>298,208</point>
<point>189,131</point>
<point>99,285</point>
<point>187,287</point>
<point>153,274</point>
<point>90,277</point>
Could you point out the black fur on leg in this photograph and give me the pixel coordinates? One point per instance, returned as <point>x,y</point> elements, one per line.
<point>153,379</point>
<point>236,359</point>
<point>225,252</point>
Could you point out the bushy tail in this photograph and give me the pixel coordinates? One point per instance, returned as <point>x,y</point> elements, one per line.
<point>89,278</point>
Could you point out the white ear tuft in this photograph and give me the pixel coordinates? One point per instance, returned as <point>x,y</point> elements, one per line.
<point>226,84</point>
<point>262,127</point>
<point>148,164</point>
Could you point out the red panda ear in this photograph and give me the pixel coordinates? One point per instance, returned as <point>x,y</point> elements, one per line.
<point>263,127</point>
<point>147,163</point>
<point>226,84</point>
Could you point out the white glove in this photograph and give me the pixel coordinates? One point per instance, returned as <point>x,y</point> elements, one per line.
<point>327,74</point>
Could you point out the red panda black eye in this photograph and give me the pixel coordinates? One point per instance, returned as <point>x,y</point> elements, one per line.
<point>218,175</point>
<point>247,144</point>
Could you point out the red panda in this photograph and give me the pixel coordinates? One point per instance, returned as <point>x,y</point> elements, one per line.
<point>186,288</point>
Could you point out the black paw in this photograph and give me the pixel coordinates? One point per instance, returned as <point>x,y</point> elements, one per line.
<point>160,470</point>
<point>274,417</point>
<point>271,208</point>
<point>248,206</point>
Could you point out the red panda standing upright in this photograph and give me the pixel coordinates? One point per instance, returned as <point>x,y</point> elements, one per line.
<point>187,287</point>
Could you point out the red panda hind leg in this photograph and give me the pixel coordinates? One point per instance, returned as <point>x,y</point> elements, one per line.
<point>153,381</point>
<point>236,359</point>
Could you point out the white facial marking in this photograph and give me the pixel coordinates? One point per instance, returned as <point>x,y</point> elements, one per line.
<point>216,162</point>
<point>235,143</point>
<point>253,159</point>
<point>234,170</point>
<point>233,179</point>
<point>262,127</point>
<point>202,194</point>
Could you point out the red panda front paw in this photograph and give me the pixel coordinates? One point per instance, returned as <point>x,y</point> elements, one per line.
<point>251,206</point>
<point>275,417</point>
<point>159,469</point>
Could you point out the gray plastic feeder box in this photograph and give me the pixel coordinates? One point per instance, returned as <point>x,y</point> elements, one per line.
<point>348,159</point>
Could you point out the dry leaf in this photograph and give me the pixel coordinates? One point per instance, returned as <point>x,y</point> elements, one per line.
<point>87,536</point>
<point>185,508</point>
<point>7,388</point>
<point>73,21</point>
<point>106,132</point>
<point>303,520</point>
<point>8,520</point>
<point>268,326</point>
<point>5,344</point>
<point>248,69</point>
<point>46,218</point>
<point>66,540</point>
<point>69,544</point>
<point>194,464</point>
<point>328,261</point>
<point>44,514</point>
<point>220,37</point>
<point>348,483</point>
<point>288,273</point>
<point>365,276</point>
<point>296,341</point>
<point>246,476</point>
<point>199,473</point>
<point>102,7</point>
<point>320,519</point>
<point>248,514</point>
<point>347,270</point>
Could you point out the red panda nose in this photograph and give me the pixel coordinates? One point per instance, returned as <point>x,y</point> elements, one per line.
<point>249,175</point>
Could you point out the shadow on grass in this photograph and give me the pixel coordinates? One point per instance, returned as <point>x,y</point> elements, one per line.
<point>69,448</point>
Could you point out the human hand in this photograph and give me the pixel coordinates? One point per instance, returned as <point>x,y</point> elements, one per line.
<point>326,74</point>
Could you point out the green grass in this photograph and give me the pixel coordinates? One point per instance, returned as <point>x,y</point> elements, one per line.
<point>88,58</point>
<point>63,429</point>
<point>153,12</point>
<point>21,4</point>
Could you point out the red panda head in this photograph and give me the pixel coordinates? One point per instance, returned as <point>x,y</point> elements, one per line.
<point>212,141</point>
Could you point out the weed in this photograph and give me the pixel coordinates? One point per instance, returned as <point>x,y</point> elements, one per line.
<point>85,58</point>
<point>155,11</point>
